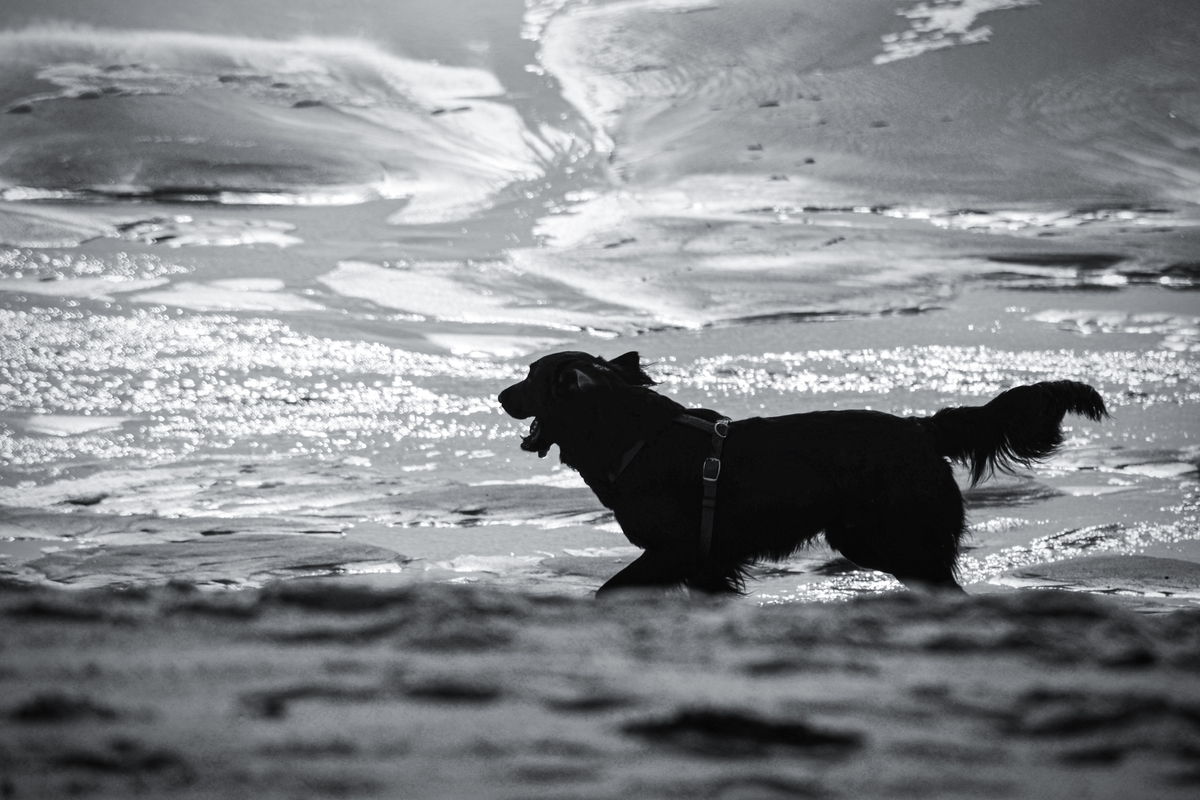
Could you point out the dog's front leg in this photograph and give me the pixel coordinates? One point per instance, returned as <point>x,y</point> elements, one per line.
<point>652,569</point>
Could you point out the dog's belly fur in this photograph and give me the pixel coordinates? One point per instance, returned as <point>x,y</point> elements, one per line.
<point>871,482</point>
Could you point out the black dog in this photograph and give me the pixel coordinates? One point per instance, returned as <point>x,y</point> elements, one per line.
<point>880,487</point>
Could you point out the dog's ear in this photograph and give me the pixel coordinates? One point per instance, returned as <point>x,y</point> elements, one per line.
<point>629,366</point>
<point>627,362</point>
<point>572,381</point>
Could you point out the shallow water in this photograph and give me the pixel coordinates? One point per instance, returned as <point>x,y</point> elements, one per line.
<point>263,273</point>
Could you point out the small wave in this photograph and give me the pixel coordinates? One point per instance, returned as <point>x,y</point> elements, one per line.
<point>234,294</point>
<point>1107,539</point>
<point>102,288</point>
<point>492,564</point>
<point>1129,574</point>
<point>482,504</point>
<point>465,293</point>
<point>221,119</point>
<point>183,231</point>
<point>492,345</point>
<point>560,478</point>
<point>938,24</point>
<point>1037,220</point>
<point>32,227</point>
<point>1009,220</point>
<point>1179,333</point>
<point>68,425</point>
<point>223,562</point>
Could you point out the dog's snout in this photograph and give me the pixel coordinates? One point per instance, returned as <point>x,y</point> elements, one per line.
<point>510,401</point>
<point>505,397</point>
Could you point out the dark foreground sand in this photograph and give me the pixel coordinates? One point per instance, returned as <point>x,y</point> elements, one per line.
<point>325,689</point>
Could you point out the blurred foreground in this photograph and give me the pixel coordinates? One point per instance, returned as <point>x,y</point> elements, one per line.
<point>323,689</point>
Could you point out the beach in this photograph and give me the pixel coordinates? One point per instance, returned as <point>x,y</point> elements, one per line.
<point>327,690</point>
<point>264,267</point>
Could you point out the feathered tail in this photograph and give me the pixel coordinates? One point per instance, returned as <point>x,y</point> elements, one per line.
<point>1020,427</point>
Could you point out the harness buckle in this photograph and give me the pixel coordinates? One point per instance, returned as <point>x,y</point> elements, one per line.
<point>721,428</point>
<point>711,470</point>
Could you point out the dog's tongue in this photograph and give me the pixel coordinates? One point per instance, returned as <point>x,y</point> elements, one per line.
<point>532,443</point>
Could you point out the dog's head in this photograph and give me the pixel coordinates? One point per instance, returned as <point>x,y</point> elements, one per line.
<point>557,385</point>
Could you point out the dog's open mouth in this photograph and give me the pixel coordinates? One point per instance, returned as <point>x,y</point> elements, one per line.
<point>533,442</point>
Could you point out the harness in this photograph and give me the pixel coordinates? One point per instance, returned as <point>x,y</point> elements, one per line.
<point>710,471</point>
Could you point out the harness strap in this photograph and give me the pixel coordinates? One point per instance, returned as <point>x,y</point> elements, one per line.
<point>710,471</point>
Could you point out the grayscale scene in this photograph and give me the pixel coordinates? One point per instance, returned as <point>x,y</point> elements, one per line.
<point>600,399</point>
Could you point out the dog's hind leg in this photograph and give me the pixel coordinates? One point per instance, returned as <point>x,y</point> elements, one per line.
<point>928,531</point>
<point>652,569</point>
<point>919,567</point>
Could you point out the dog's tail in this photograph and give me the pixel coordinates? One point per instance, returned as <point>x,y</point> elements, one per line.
<point>1020,427</point>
